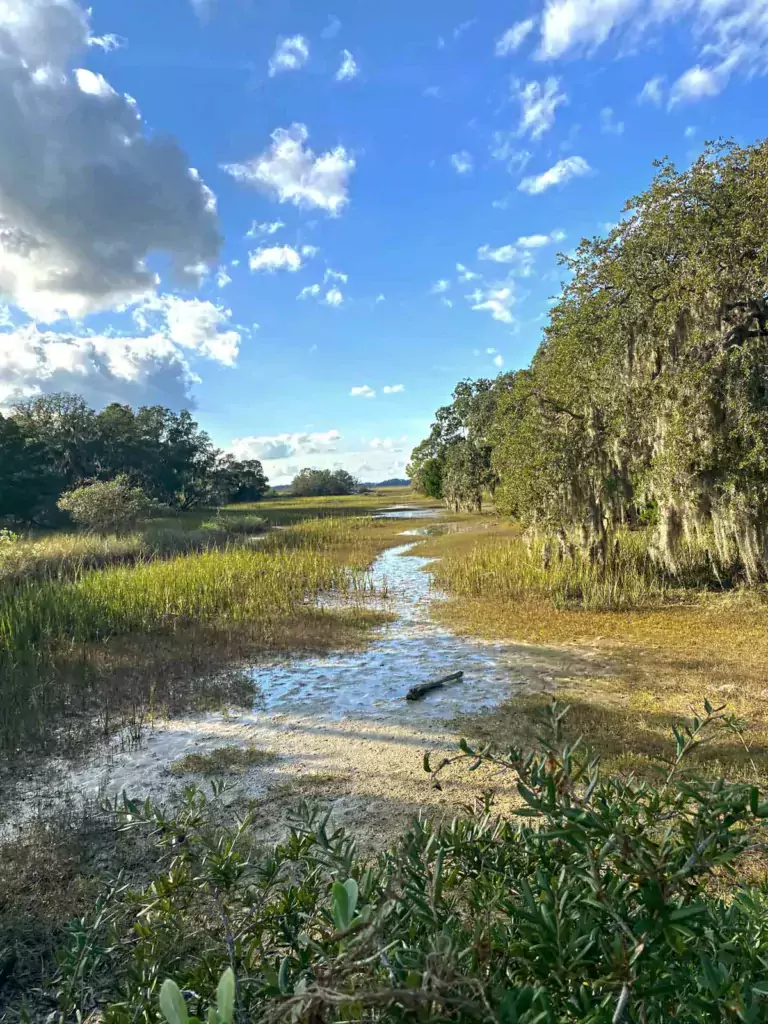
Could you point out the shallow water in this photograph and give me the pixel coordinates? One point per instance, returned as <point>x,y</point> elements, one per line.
<point>407,512</point>
<point>372,684</point>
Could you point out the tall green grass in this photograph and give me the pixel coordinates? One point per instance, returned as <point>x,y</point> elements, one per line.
<point>518,570</point>
<point>47,625</point>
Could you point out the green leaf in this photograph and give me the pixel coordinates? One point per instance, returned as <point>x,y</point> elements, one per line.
<point>225,997</point>
<point>426,763</point>
<point>172,1005</point>
<point>353,893</point>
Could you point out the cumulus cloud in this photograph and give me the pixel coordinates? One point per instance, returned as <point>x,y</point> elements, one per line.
<point>496,300</point>
<point>290,54</point>
<point>462,162</point>
<point>285,446</point>
<point>393,389</point>
<point>333,297</point>
<point>290,172</point>
<point>696,84</point>
<point>387,444</point>
<point>149,367</point>
<point>362,391</point>
<point>514,37</point>
<point>310,292</point>
<point>86,194</point>
<point>732,34</point>
<point>537,241</point>
<point>193,324</point>
<point>102,369</point>
<point>502,254</point>
<point>276,257</point>
<point>498,360</point>
<point>538,104</point>
<point>348,69</point>
<point>562,172</point>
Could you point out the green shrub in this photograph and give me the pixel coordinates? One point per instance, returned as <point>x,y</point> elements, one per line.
<point>108,507</point>
<point>602,900</point>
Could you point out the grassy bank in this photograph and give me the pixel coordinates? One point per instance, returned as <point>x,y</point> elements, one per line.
<point>83,653</point>
<point>660,646</point>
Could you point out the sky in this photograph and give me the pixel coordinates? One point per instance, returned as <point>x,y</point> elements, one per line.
<point>306,220</point>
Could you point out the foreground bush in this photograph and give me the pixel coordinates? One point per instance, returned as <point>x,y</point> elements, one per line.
<point>108,507</point>
<point>603,901</point>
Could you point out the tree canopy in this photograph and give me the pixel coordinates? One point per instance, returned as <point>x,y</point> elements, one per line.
<point>648,396</point>
<point>56,443</point>
<point>313,483</point>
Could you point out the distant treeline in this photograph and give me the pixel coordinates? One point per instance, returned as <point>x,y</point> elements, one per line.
<point>647,400</point>
<point>50,444</point>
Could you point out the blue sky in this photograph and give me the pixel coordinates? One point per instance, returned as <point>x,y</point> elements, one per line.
<point>376,207</point>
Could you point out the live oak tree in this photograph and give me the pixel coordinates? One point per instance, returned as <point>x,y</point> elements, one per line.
<point>647,400</point>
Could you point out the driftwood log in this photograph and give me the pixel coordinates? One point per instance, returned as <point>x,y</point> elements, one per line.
<point>417,692</point>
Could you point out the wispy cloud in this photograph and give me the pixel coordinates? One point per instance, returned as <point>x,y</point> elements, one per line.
<point>562,172</point>
<point>653,91</point>
<point>514,37</point>
<point>608,123</point>
<point>393,389</point>
<point>462,162</point>
<point>538,104</point>
<point>348,69</point>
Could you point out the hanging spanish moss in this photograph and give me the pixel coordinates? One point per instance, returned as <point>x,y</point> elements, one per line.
<point>646,404</point>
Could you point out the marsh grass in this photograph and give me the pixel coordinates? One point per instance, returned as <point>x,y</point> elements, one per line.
<point>513,569</point>
<point>228,760</point>
<point>114,641</point>
<point>659,648</point>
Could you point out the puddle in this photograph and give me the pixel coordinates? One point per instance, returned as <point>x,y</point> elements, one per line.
<point>407,512</point>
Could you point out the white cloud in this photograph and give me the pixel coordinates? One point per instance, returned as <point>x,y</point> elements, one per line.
<point>107,43</point>
<point>502,254</point>
<point>335,275</point>
<point>387,444</point>
<point>695,84</point>
<point>333,297</point>
<point>269,228</point>
<point>283,446</point>
<point>439,287</point>
<point>490,351</point>
<point>362,391</point>
<point>448,303</point>
<point>690,131</point>
<point>277,257</point>
<point>537,241</point>
<point>498,360</point>
<point>85,195</point>
<point>192,324</point>
<point>562,172</point>
<point>608,124</point>
<point>101,369</point>
<point>732,35</point>
<point>310,292</point>
<point>292,173</point>
<point>146,368</point>
<point>504,147</point>
<point>462,162</point>
<point>538,104</point>
<point>222,278</point>
<point>393,389</point>
<point>464,274</point>
<point>290,55</point>
<point>380,298</point>
<point>514,37</point>
<point>497,301</point>
<point>653,91</point>
<point>348,69</point>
